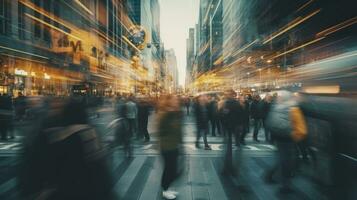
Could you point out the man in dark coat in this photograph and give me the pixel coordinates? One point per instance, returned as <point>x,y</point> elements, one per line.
<point>201,113</point>
<point>213,116</point>
<point>232,120</point>
<point>143,118</point>
<point>257,113</point>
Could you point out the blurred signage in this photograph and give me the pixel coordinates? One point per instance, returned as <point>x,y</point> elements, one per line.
<point>63,44</point>
<point>20,72</point>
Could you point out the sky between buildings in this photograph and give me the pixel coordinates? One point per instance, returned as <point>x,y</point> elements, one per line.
<point>176,17</point>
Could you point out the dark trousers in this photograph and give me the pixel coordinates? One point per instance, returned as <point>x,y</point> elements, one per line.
<point>266,131</point>
<point>258,123</point>
<point>238,134</point>
<point>244,130</point>
<point>188,109</point>
<point>5,126</point>
<point>132,126</point>
<point>216,124</point>
<point>170,168</point>
<point>228,160</point>
<point>285,161</point>
<point>143,128</point>
<point>202,131</point>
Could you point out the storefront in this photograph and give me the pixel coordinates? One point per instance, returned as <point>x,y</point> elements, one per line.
<point>35,78</point>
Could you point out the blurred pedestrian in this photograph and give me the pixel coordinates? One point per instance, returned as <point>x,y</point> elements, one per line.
<point>213,116</point>
<point>267,102</point>
<point>257,113</point>
<point>131,114</point>
<point>6,115</point>
<point>201,113</point>
<point>287,125</point>
<point>187,102</point>
<point>143,118</point>
<point>245,118</point>
<point>231,119</point>
<point>20,106</point>
<point>66,159</point>
<point>170,134</point>
<point>122,134</point>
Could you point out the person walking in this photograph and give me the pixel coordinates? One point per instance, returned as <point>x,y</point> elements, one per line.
<point>267,101</point>
<point>6,116</point>
<point>131,114</point>
<point>245,118</point>
<point>20,106</point>
<point>201,113</point>
<point>123,134</point>
<point>187,102</point>
<point>143,118</point>
<point>214,116</point>
<point>287,125</point>
<point>231,119</point>
<point>65,160</point>
<point>170,135</point>
<point>257,115</point>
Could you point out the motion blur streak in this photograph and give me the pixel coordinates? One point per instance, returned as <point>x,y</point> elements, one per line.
<point>95,103</point>
<point>291,25</point>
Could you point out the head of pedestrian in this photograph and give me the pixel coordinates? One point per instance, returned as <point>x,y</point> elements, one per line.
<point>230,93</point>
<point>168,103</point>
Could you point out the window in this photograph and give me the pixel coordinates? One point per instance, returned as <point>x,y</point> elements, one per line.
<point>5,20</point>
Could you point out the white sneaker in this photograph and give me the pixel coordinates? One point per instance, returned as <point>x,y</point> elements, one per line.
<point>173,192</point>
<point>168,195</point>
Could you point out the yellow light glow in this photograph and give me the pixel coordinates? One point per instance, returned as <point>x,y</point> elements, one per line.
<point>84,7</point>
<point>338,27</point>
<point>51,26</point>
<point>333,89</point>
<point>299,47</point>
<point>292,26</point>
<point>31,54</point>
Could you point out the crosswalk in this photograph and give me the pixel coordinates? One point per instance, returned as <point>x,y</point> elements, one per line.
<point>153,148</point>
<point>201,179</point>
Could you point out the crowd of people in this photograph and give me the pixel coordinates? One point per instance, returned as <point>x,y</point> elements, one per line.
<point>65,156</point>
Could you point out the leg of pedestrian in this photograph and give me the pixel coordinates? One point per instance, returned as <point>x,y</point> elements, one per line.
<point>205,132</point>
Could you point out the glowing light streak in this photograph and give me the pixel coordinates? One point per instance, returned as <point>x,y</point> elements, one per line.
<point>84,7</point>
<point>22,58</point>
<point>305,5</point>
<point>246,47</point>
<point>292,26</point>
<point>44,13</point>
<point>299,47</point>
<point>338,27</point>
<point>31,54</point>
<point>53,27</point>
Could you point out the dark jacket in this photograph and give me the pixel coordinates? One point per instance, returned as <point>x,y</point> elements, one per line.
<point>201,113</point>
<point>70,160</point>
<point>170,130</point>
<point>231,114</point>
<point>257,109</point>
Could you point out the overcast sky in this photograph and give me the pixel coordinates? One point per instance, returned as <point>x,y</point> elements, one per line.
<point>177,16</point>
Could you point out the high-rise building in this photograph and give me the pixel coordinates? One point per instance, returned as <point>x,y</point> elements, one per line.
<point>171,83</point>
<point>210,37</point>
<point>146,14</point>
<point>190,54</point>
<point>48,46</point>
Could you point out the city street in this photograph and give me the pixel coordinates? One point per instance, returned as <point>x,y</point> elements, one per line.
<point>201,178</point>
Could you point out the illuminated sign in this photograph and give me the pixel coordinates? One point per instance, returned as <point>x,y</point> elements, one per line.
<point>20,72</point>
<point>46,76</point>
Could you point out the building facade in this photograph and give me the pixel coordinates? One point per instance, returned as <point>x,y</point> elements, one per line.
<point>48,46</point>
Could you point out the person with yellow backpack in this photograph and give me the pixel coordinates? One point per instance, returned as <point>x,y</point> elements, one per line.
<point>287,125</point>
